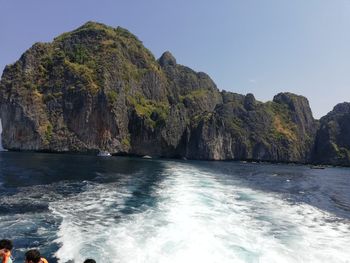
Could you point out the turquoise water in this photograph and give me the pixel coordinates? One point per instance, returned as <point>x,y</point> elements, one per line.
<point>133,210</point>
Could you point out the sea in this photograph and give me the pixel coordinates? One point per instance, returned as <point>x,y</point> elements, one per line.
<point>122,209</point>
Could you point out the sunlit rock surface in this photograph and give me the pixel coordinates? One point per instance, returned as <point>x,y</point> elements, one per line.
<point>98,88</point>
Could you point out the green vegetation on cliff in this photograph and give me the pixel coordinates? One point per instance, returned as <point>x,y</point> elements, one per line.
<point>332,144</point>
<point>98,88</point>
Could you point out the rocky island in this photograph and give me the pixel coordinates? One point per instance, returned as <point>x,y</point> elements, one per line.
<point>98,88</point>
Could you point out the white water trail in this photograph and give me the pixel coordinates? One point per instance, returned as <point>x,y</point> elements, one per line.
<point>197,219</point>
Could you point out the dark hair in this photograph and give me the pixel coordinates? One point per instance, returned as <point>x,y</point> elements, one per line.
<point>89,260</point>
<point>33,255</point>
<point>5,243</point>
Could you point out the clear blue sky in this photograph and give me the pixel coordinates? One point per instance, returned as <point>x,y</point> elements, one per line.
<point>258,46</point>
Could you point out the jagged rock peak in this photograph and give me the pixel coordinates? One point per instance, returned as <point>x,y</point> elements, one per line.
<point>167,59</point>
<point>90,24</point>
<point>342,108</point>
<point>294,102</point>
<point>288,98</point>
<point>97,30</point>
<point>249,102</point>
<point>339,110</point>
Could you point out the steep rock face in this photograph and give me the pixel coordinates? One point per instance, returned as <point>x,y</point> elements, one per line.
<point>98,88</point>
<point>243,128</point>
<point>332,144</point>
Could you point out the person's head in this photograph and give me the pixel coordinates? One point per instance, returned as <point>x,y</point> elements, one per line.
<point>32,256</point>
<point>89,260</point>
<point>5,246</point>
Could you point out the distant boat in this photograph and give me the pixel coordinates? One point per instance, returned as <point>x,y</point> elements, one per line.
<point>104,154</point>
<point>317,167</point>
<point>146,157</point>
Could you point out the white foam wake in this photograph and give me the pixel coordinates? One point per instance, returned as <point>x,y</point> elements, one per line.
<point>197,218</point>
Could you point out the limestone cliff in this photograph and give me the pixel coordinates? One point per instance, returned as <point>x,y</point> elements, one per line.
<point>332,144</point>
<point>98,88</point>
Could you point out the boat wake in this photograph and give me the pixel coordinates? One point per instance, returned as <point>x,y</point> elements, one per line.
<point>194,216</point>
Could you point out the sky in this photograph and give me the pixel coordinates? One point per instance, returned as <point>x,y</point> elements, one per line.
<point>247,46</point>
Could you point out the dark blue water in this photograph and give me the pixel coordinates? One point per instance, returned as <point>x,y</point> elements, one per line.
<point>122,209</point>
